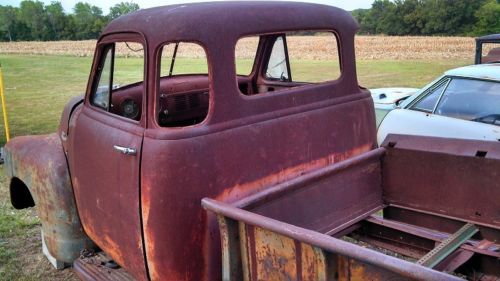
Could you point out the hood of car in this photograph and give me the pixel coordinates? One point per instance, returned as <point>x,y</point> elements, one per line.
<point>391,95</point>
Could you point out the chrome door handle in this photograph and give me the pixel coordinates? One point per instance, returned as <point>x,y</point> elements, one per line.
<point>125,150</point>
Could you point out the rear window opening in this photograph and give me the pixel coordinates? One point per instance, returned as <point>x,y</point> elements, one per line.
<point>183,97</point>
<point>288,60</point>
<point>490,53</point>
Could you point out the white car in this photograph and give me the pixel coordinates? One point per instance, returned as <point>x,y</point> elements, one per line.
<point>463,103</point>
<point>387,99</point>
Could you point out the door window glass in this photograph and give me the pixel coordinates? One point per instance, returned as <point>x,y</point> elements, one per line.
<point>102,92</point>
<point>428,102</point>
<point>277,67</point>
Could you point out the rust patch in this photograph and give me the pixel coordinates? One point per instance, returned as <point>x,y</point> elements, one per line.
<point>239,191</point>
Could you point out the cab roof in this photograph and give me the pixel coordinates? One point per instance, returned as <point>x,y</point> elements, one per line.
<point>479,71</point>
<point>210,21</point>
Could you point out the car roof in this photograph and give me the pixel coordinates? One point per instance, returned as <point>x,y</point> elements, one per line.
<point>478,71</point>
<point>490,37</point>
<point>209,21</point>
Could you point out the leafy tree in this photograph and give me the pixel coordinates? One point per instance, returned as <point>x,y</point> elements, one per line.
<point>450,17</point>
<point>488,18</point>
<point>88,21</point>
<point>426,17</point>
<point>56,20</point>
<point>122,8</point>
<point>32,14</point>
<point>8,20</point>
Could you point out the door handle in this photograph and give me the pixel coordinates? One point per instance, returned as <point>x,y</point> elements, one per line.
<point>125,150</point>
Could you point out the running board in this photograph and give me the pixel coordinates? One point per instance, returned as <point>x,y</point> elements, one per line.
<point>99,267</point>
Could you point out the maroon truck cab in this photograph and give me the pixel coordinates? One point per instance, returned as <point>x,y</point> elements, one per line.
<point>132,161</point>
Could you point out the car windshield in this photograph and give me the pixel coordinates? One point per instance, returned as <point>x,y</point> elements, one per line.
<point>470,99</point>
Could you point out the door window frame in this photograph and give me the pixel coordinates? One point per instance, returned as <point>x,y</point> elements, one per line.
<point>104,44</point>
<point>445,81</point>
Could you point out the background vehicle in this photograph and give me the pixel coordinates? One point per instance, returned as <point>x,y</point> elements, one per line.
<point>463,103</point>
<point>119,187</point>
<point>493,55</point>
<point>387,99</point>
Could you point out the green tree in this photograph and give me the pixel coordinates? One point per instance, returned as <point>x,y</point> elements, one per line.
<point>56,20</point>
<point>122,8</point>
<point>449,16</point>
<point>88,21</point>
<point>488,18</point>
<point>8,20</point>
<point>32,14</point>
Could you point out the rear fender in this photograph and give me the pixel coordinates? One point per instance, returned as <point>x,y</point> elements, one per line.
<point>37,166</point>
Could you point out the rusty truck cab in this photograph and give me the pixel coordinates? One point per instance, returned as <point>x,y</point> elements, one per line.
<point>153,137</point>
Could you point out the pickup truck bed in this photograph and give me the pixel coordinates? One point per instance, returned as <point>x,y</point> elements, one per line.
<point>416,208</point>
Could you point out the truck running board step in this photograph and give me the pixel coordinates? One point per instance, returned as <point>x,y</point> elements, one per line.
<point>99,267</point>
<point>450,244</point>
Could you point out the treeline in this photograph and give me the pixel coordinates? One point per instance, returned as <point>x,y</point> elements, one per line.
<point>34,21</point>
<point>430,17</point>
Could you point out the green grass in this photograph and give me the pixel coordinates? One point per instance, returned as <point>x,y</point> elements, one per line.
<point>38,87</point>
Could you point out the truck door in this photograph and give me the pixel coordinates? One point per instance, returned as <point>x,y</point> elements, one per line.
<point>105,152</point>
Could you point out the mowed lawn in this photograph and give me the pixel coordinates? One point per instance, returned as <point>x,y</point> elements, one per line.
<point>38,87</point>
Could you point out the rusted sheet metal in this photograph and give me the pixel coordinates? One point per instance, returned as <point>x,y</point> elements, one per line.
<point>245,145</point>
<point>269,248</point>
<point>94,267</point>
<point>230,165</point>
<point>455,178</point>
<point>346,180</point>
<point>39,162</point>
<point>106,186</point>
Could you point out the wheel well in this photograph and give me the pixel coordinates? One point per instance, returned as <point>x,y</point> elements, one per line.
<point>20,195</point>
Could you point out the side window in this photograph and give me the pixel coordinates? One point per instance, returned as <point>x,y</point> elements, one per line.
<point>183,85</point>
<point>101,95</point>
<point>246,50</point>
<point>119,88</point>
<point>314,56</point>
<point>290,59</point>
<point>428,102</point>
<point>470,99</point>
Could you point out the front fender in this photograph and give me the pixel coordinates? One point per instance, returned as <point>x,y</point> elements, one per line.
<point>39,162</point>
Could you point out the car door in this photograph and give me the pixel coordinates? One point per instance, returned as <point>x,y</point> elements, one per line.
<point>105,153</point>
<point>453,107</point>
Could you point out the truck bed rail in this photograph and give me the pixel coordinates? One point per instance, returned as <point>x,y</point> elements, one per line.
<point>256,247</point>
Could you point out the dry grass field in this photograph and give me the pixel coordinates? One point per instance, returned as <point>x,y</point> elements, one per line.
<point>367,48</point>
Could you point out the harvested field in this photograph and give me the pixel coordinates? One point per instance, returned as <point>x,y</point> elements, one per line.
<point>367,48</point>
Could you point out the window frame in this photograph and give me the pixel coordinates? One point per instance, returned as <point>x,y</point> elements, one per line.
<point>105,43</point>
<point>100,68</point>
<point>287,61</point>
<point>158,77</point>
<point>444,81</point>
<point>262,59</point>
